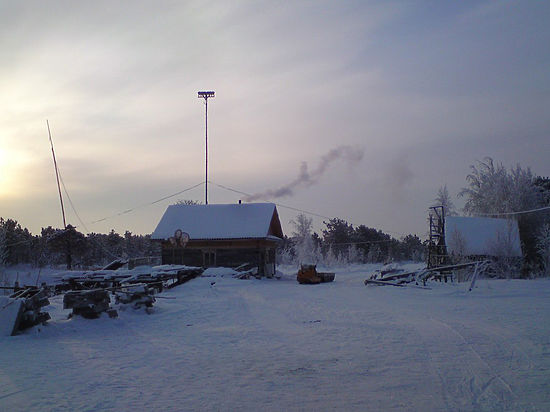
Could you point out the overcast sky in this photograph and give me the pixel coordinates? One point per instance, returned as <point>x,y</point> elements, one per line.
<point>385,102</point>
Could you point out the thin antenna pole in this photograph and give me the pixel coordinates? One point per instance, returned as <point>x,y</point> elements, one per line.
<point>205,95</point>
<point>206,138</point>
<point>57,176</point>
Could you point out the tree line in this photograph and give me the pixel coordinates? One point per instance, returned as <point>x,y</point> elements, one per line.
<point>341,243</point>
<point>492,190</point>
<point>68,246</point>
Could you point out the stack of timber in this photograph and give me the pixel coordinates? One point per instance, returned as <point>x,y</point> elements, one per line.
<point>136,295</point>
<point>174,275</point>
<point>22,310</point>
<point>308,275</point>
<point>158,277</point>
<point>89,304</point>
<point>87,293</point>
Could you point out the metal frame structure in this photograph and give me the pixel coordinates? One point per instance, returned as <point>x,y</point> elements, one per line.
<point>437,249</point>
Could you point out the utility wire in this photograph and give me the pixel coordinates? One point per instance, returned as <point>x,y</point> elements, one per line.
<point>363,243</point>
<point>278,204</point>
<point>522,212</point>
<point>109,217</point>
<point>72,204</point>
<point>147,204</point>
<point>101,246</point>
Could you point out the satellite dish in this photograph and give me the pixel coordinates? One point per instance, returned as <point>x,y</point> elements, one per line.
<point>184,238</point>
<point>181,237</point>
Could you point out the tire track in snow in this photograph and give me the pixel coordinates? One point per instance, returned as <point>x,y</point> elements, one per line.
<point>485,380</point>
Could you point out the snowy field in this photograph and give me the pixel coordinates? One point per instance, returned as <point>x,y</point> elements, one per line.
<point>275,345</point>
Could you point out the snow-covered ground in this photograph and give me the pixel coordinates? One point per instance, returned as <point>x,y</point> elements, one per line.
<point>276,345</point>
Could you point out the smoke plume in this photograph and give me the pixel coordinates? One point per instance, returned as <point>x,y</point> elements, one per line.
<point>306,178</point>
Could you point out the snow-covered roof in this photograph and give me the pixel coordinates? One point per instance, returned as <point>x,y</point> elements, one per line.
<point>214,221</point>
<point>482,236</point>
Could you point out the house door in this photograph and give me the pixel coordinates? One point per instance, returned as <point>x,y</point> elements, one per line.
<point>208,258</point>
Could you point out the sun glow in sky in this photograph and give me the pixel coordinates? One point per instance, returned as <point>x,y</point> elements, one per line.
<point>423,89</point>
<point>5,177</point>
<point>12,165</point>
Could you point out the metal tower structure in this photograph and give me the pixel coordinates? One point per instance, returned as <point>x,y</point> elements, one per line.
<point>437,249</point>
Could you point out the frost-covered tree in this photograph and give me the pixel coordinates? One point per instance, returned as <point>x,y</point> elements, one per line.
<point>375,254</point>
<point>443,198</point>
<point>355,255</point>
<point>303,226</point>
<point>304,246</point>
<point>543,186</point>
<point>494,189</point>
<point>543,248</point>
<point>502,248</point>
<point>331,258</point>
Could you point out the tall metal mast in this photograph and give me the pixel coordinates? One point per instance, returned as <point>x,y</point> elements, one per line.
<point>205,96</point>
<point>57,176</point>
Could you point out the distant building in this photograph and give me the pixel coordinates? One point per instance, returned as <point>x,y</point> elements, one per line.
<point>482,236</point>
<point>227,235</point>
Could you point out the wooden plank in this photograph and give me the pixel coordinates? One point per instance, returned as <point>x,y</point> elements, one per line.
<point>403,285</point>
<point>457,266</point>
<point>382,282</point>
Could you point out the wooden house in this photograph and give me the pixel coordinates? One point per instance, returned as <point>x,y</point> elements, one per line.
<point>227,235</point>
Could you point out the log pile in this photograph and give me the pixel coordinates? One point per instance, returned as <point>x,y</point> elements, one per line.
<point>137,296</point>
<point>34,300</point>
<point>87,293</point>
<point>159,277</point>
<point>23,309</point>
<point>89,304</point>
